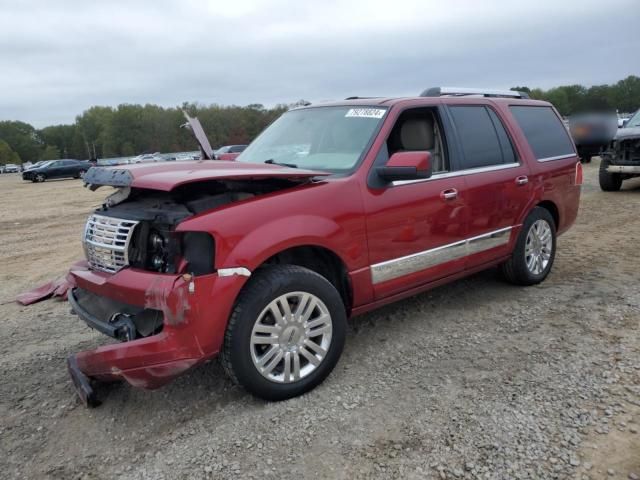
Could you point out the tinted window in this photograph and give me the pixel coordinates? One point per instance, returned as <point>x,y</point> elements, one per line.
<point>545,132</point>
<point>237,148</point>
<point>508,155</point>
<point>482,137</point>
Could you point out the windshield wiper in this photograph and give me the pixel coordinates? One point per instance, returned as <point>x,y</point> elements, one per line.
<point>271,161</point>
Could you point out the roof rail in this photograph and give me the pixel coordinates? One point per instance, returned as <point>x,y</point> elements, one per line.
<point>360,98</point>
<point>461,91</point>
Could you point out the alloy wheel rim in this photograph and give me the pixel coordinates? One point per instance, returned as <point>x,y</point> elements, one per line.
<point>538,247</point>
<point>291,337</point>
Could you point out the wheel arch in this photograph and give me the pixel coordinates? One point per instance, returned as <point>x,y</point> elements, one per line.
<point>552,208</point>
<point>321,260</point>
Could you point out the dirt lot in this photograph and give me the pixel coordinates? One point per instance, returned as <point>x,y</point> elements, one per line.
<point>477,379</point>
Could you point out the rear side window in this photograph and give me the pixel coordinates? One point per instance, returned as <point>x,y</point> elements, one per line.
<point>545,132</point>
<point>482,136</point>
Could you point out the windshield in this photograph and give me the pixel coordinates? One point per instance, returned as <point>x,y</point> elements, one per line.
<point>319,138</point>
<point>634,121</point>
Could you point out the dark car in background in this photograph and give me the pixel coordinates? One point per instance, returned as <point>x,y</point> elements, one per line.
<point>65,168</point>
<point>592,133</point>
<point>229,152</point>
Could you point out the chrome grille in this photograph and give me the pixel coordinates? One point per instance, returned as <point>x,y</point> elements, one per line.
<point>106,242</point>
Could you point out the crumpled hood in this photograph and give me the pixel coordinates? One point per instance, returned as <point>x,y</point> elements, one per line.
<point>166,176</point>
<point>627,132</point>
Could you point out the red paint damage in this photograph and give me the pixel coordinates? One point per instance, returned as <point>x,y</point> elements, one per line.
<point>192,331</point>
<point>56,288</point>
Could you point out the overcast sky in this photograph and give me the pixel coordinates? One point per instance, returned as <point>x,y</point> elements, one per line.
<point>60,57</point>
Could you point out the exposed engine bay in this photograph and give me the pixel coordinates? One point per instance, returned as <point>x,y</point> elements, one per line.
<point>136,227</point>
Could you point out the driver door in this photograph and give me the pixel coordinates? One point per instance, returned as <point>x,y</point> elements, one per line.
<point>416,228</point>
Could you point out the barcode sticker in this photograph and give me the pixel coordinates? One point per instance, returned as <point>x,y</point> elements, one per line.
<point>366,112</point>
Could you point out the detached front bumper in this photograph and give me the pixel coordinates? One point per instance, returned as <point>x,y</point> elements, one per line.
<point>193,310</point>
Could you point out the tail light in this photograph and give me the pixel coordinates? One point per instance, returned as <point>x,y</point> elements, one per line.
<point>579,175</point>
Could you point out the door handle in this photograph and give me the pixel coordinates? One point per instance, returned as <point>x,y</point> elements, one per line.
<point>449,194</point>
<point>522,180</point>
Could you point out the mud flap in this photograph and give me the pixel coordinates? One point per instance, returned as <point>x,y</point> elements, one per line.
<point>82,384</point>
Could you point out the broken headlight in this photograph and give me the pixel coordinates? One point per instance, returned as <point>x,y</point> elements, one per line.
<point>160,249</point>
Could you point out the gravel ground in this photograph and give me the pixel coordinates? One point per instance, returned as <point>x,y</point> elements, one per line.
<point>477,379</point>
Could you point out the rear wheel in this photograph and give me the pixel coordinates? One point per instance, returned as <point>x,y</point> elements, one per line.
<point>80,174</point>
<point>586,159</point>
<point>535,250</point>
<point>285,334</point>
<point>609,182</point>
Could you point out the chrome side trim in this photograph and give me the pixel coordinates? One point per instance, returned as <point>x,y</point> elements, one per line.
<point>398,267</point>
<point>228,272</point>
<point>559,157</point>
<point>458,173</point>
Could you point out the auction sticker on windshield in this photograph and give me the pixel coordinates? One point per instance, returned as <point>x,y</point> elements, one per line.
<point>366,112</point>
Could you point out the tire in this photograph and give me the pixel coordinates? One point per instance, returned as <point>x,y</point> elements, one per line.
<point>39,178</point>
<point>609,182</point>
<point>252,318</point>
<point>586,159</point>
<point>521,268</point>
<point>80,174</point>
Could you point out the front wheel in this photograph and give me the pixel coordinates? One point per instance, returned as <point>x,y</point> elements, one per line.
<point>609,182</point>
<point>40,177</point>
<point>535,250</point>
<point>286,332</point>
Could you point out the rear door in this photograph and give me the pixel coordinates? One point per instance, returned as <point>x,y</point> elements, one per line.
<point>55,169</point>
<point>497,186</point>
<point>69,169</point>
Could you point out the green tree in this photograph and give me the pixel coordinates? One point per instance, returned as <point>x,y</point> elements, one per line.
<point>22,138</point>
<point>7,155</point>
<point>50,152</point>
<point>559,98</point>
<point>62,138</point>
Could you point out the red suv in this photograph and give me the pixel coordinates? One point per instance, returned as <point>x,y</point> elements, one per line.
<point>334,210</point>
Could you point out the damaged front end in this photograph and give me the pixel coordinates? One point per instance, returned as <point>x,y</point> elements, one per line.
<point>162,322</point>
<point>151,286</point>
<point>623,155</point>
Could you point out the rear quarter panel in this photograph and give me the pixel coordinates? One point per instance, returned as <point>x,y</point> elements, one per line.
<point>551,181</point>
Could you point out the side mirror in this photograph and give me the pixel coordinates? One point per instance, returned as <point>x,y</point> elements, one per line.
<point>406,166</point>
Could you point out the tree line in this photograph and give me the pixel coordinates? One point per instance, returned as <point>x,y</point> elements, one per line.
<point>623,96</point>
<point>131,129</point>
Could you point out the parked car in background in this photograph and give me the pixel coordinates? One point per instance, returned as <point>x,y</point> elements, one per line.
<point>148,158</point>
<point>229,152</point>
<point>65,168</point>
<point>592,133</point>
<point>331,212</point>
<point>621,160</point>
<point>11,168</point>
